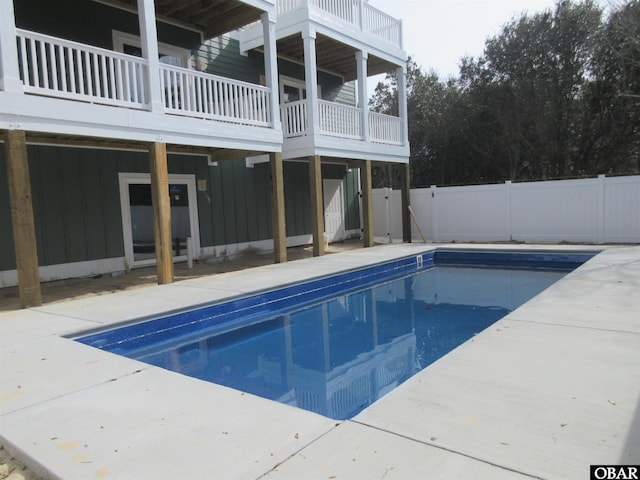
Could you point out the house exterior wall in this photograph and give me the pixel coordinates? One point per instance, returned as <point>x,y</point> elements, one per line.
<point>77,211</point>
<point>222,56</point>
<point>68,19</point>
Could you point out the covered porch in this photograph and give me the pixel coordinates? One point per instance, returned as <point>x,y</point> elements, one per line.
<point>100,88</point>
<point>353,40</point>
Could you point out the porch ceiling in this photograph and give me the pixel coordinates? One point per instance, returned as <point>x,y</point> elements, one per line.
<point>216,154</point>
<point>211,17</point>
<point>332,56</point>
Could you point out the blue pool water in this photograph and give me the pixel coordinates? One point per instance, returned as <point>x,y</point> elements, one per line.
<point>335,345</point>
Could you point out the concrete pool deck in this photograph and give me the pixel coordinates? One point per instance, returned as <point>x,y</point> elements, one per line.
<point>543,393</point>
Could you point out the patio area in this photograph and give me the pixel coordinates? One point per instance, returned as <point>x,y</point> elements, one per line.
<point>545,392</point>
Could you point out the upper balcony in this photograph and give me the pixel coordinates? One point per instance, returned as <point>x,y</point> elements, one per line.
<point>356,14</point>
<point>57,86</point>
<point>351,40</point>
<point>352,21</point>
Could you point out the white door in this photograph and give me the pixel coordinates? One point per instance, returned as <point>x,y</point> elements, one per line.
<point>137,217</point>
<point>333,210</point>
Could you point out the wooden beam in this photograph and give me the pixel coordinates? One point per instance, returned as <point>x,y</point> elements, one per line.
<point>317,207</point>
<point>158,169</point>
<point>277,209</point>
<point>405,193</point>
<point>24,232</point>
<point>367,204</point>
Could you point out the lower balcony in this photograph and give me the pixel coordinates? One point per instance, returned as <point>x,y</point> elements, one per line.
<point>344,131</point>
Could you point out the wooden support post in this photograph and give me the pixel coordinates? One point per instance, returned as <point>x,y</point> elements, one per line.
<point>24,231</point>
<point>277,209</point>
<point>317,210</point>
<point>367,203</point>
<point>161,211</point>
<point>405,189</point>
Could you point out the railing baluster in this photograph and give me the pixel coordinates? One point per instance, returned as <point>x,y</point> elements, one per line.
<point>216,98</point>
<point>44,65</point>
<point>23,60</point>
<point>36,62</point>
<point>120,78</point>
<point>63,67</point>
<point>112,78</point>
<point>105,77</point>
<point>72,69</point>
<point>53,66</point>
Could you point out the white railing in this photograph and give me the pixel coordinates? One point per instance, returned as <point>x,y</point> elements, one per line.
<point>284,6</point>
<point>196,94</point>
<point>355,12</point>
<point>56,67</point>
<point>340,120</point>
<point>385,129</point>
<point>294,119</point>
<point>381,25</point>
<point>347,10</point>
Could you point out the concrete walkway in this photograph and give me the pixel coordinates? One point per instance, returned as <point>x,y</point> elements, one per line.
<point>543,393</point>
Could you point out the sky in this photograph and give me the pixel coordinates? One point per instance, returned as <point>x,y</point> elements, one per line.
<point>437,33</point>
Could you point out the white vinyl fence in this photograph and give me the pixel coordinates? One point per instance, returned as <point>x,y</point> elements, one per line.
<point>595,210</point>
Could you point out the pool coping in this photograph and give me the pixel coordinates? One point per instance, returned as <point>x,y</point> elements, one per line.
<point>62,407</point>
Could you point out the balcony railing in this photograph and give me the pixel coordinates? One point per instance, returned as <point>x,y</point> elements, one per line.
<point>341,121</point>
<point>60,68</point>
<point>196,94</point>
<point>355,12</point>
<point>385,129</point>
<point>294,119</point>
<point>64,69</point>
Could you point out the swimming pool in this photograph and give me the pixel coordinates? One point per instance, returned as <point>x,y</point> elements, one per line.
<point>334,345</point>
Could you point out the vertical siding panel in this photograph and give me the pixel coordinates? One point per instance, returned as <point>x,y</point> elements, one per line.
<point>262,200</point>
<point>217,216</point>
<point>297,198</point>
<point>72,203</point>
<point>239,195</point>
<point>7,252</point>
<point>229,210</point>
<point>52,216</point>
<point>205,208</point>
<point>249,194</point>
<point>94,215</point>
<point>290,203</point>
<point>114,237</point>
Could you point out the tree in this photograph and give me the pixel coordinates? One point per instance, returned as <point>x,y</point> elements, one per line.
<point>614,100</point>
<point>555,94</point>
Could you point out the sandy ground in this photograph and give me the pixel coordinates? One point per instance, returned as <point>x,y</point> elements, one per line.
<point>72,289</point>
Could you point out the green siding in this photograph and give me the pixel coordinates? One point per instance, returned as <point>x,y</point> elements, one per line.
<point>240,202</point>
<point>296,198</point>
<point>92,22</point>
<point>76,201</point>
<point>222,57</point>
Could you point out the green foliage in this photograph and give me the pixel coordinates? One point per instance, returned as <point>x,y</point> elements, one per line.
<point>554,95</point>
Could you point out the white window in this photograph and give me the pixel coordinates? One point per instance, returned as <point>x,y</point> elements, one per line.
<point>292,90</point>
